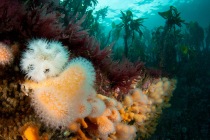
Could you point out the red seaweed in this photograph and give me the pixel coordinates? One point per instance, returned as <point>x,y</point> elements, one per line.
<point>41,22</point>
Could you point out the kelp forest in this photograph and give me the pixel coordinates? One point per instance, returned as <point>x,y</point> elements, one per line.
<point>65,75</point>
<point>178,49</point>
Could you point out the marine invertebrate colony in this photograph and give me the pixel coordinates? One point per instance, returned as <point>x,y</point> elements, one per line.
<point>43,59</point>
<point>61,100</point>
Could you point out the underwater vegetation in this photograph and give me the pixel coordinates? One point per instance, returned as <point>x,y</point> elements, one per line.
<point>130,26</point>
<point>165,39</point>
<point>56,82</point>
<point>178,48</point>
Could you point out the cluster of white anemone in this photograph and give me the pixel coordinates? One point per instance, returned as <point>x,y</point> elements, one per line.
<point>43,59</point>
<point>46,60</point>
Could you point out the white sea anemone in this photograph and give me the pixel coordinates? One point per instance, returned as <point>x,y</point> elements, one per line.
<point>98,107</point>
<point>88,67</point>
<point>61,100</point>
<point>43,59</point>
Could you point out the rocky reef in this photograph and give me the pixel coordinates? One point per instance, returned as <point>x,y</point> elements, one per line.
<point>56,82</point>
